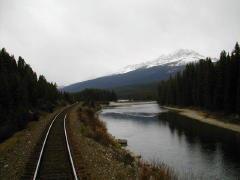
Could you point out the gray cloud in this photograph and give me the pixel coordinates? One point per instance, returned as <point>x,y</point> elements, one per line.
<point>72,40</point>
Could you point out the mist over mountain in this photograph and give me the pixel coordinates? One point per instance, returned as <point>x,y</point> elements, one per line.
<point>147,72</point>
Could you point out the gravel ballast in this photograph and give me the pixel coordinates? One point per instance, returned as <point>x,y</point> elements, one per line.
<point>16,151</point>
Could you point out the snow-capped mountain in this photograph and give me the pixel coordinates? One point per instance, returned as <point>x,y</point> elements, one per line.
<point>148,72</point>
<point>177,58</point>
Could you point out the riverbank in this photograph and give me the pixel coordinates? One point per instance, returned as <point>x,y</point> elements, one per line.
<point>97,154</point>
<point>131,103</point>
<point>204,117</point>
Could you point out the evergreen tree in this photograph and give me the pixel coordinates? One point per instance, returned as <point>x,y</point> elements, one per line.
<point>236,54</point>
<point>212,86</point>
<point>22,94</point>
<point>220,81</point>
<point>90,95</point>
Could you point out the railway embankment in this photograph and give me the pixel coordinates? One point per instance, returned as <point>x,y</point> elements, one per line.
<point>16,151</point>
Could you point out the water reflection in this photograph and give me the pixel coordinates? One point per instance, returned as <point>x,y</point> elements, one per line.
<point>207,136</point>
<point>185,144</point>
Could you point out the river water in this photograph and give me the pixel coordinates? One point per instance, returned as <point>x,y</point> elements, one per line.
<point>193,149</point>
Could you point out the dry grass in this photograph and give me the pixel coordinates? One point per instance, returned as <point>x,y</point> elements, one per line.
<point>155,170</point>
<point>93,127</point>
<point>9,143</point>
<point>92,159</point>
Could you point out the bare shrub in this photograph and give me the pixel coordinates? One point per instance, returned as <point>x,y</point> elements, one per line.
<point>93,127</point>
<point>155,170</point>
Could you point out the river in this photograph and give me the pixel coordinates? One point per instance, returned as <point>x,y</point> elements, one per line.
<point>192,149</point>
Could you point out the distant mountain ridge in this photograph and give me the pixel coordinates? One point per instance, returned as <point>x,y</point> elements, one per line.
<point>177,58</point>
<point>146,72</point>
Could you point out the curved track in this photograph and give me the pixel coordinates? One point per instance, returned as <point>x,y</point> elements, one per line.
<point>54,159</point>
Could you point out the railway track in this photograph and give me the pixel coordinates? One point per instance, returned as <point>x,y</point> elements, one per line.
<point>52,159</point>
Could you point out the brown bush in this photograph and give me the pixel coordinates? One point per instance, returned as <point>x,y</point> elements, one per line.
<point>155,171</point>
<point>93,127</point>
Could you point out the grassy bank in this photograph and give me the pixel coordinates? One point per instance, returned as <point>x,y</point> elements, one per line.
<point>205,117</point>
<point>98,155</point>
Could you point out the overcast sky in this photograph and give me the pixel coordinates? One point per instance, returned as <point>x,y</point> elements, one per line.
<point>73,40</point>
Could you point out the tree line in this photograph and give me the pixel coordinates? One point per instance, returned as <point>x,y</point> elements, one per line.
<point>208,85</point>
<point>95,95</point>
<point>23,95</point>
<point>138,92</point>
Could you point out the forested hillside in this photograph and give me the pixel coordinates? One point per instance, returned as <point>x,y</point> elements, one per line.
<point>139,76</point>
<point>100,95</point>
<point>212,86</point>
<point>143,91</point>
<point>23,95</point>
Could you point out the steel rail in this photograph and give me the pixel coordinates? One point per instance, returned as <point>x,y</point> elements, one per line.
<point>43,146</point>
<point>69,151</point>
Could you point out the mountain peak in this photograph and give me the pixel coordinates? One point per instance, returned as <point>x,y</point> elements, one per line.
<point>180,53</point>
<point>185,52</point>
<point>177,58</point>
